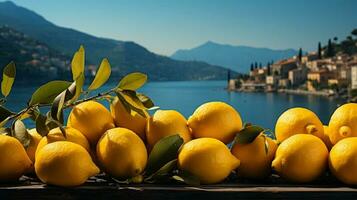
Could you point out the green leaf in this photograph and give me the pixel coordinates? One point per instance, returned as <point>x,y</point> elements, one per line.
<point>145,100</point>
<point>102,75</point>
<point>164,151</point>
<point>166,169</point>
<point>248,134</point>
<point>48,92</point>
<point>187,177</point>
<point>132,81</point>
<point>4,113</point>
<point>8,78</point>
<point>20,132</point>
<point>78,63</point>
<point>41,127</point>
<point>79,84</point>
<point>132,103</point>
<point>57,105</point>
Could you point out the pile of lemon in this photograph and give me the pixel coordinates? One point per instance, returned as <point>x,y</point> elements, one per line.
<point>118,143</point>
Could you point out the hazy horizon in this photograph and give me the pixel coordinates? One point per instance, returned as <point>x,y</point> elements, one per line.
<point>167,26</point>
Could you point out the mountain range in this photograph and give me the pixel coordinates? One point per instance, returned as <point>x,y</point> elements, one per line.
<point>237,58</point>
<point>125,57</point>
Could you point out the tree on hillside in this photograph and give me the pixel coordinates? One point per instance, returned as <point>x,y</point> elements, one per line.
<point>354,32</point>
<point>255,65</point>
<point>319,51</point>
<point>330,49</point>
<point>268,69</point>
<point>251,67</point>
<point>300,54</point>
<point>335,39</point>
<point>260,65</point>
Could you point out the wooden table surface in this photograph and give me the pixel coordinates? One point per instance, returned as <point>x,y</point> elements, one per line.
<point>102,189</point>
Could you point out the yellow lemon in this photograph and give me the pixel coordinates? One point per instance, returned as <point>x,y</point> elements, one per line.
<point>343,160</point>
<point>165,123</point>
<point>92,119</point>
<point>326,138</point>
<point>35,139</point>
<point>122,118</point>
<point>208,159</point>
<point>301,158</point>
<point>121,153</point>
<point>298,121</point>
<point>215,120</point>
<point>343,122</point>
<point>14,161</point>
<point>255,157</point>
<point>64,163</point>
<point>72,135</point>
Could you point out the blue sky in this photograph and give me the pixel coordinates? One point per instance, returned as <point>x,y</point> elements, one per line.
<point>163,26</point>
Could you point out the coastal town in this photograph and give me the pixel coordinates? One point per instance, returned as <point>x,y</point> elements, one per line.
<point>329,71</point>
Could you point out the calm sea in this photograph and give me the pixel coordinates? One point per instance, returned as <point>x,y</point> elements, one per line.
<point>186,96</point>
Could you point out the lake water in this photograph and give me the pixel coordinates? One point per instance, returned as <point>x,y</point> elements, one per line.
<point>186,96</point>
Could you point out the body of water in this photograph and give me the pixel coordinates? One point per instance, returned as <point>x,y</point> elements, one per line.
<point>186,96</point>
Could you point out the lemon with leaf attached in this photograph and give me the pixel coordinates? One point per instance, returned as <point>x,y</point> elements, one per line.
<point>343,160</point>
<point>70,135</point>
<point>13,158</point>
<point>298,121</point>
<point>123,118</point>
<point>343,122</point>
<point>121,153</point>
<point>301,158</point>
<point>92,119</point>
<point>215,120</point>
<point>208,159</point>
<point>64,163</point>
<point>255,157</point>
<point>165,123</point>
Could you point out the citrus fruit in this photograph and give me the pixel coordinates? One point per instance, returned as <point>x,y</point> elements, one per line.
<point>35,139</point>
<point>64,163</point>
<point>343,160</point>
<point>92,119</point>
<point>123,118</point>
<point>165,123</point>
<point>215,120</point>
<point>208,159</point>
<point>298,121</point>
<point>13,158</point>
<point>121,153</point>
<point>72,135</point>
<point>301,158</point>
<point>343,122</point>
<point>255,157</point>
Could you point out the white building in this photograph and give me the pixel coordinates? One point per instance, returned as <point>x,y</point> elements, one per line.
<point>354,77</point>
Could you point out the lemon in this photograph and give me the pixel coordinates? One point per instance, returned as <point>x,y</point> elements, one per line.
<point>165,123</point>
<point>298,121</point>
<point>14,161</point>
<point>301,158</point>
<point>92,119</point>
<point>34,140</point>
<point>343,122</point>
<point>326,138</point>
<point>64,163</point>
<point>215,120</point>
<point>208,159</point>
<point>255,159</point>
<point>123,118</point>
<point>121,153</point>
<point>343,160</point>
<point>72,135</point>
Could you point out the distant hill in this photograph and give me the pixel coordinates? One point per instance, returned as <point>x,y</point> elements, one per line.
<point>124,56</point>
<point>35,61</point>
<point>237,58</point>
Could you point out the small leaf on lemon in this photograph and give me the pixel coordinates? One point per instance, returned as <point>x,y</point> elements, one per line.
<point>8,78</point>
<point>102,75</point>
<point>164,151</point>
<point>20,132</point>
<point>48,92</point>
<point>248,134</point>
<point>132,81</point>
